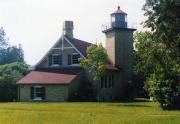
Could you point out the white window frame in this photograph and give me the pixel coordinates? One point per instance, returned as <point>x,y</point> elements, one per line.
<point>53,60</point>
<point>35,93</point>
<point>72,59</point>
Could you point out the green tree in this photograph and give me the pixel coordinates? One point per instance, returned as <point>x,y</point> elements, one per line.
<point>3,39</point>
<point>96,60</point>
<point>158,52</point>
<point>10,72</point>
<point>142,61</point>
<point>9,75</point>
<point>8,53</point>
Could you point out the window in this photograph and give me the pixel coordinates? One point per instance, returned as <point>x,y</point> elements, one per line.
<point>113,18</point>
<point>37,93</point>
<point>112,78</point>
<point>102,82</point>
<point>110,81</point>
<point>56,59</point>
<point>75,58</point>
<point>105,81</point>
<point>125,18</point>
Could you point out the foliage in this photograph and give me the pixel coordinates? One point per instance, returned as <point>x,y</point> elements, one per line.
<point>9,75</point>
<point>160,71</point>
<point>142,61</point>
<point>163,21</point>
<point>86,92</point>
<point>162,54</point>
<point>143,49</point>
<point>96,60</point>
<point>3,38</point>
<point>9,54</point>
<point>86,113</point>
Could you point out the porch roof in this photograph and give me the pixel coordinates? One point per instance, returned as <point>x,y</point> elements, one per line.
<point>40,77</point>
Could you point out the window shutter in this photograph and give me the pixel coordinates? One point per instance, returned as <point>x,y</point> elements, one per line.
<point>60,59</point>
<point>32,92</point>
<point>43,93</point>
<point>50,60</point>
<point>69,59</point>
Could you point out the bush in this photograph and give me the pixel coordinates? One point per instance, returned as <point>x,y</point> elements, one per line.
<point>164,91</point>
<point>9,75</point>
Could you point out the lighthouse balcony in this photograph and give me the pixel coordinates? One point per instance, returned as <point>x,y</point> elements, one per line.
<point>118,25</point>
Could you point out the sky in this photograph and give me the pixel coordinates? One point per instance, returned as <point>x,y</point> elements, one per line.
<point>37,24</point>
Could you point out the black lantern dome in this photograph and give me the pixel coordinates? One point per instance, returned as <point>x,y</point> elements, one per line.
<point>119,19</point>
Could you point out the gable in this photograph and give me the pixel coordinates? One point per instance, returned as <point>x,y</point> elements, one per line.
<point>64,47</point>
<point>62,44</point>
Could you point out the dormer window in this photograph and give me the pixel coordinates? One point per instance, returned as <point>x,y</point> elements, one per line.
<point>55,60</point>
<point>73,59</point>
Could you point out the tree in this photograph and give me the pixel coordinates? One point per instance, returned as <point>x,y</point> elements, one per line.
<point>96,60</point>
<point>9,54</point>
<point>163,21</point>
<point>10,72</point>
<point>158,52</point>
<point>3,39</point>
<point>159,72</point>
<point>143,61</point>
<point>9,75</point>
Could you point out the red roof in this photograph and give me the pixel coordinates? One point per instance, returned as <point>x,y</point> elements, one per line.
<point>38,77</point>
<point>119,11</point>
<point>80,45</point>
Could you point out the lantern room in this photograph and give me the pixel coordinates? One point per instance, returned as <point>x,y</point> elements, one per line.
<point>119,19</point>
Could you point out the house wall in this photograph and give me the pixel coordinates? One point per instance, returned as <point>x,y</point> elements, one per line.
<point>112,93</point>
<point>53,92</point>
<point>74,93</point>
<point>95,84</point>
<point>105,94</point>
<point>62,48</point>
<point>64,53</point>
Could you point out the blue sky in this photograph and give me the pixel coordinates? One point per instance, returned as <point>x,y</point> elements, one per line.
<point>37,24</point>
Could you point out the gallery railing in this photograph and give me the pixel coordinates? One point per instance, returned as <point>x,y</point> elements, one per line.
<point>122,25</point>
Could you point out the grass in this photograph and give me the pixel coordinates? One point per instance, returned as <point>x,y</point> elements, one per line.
<point>86,113</point>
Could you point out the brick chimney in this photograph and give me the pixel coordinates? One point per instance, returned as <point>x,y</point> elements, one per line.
<point>68,28</point>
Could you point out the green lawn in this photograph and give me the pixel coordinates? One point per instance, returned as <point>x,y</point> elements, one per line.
<point>86,113</point>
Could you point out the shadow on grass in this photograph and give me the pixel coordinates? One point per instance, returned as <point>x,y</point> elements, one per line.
<point>134,105</point>
<point>129,105</point>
